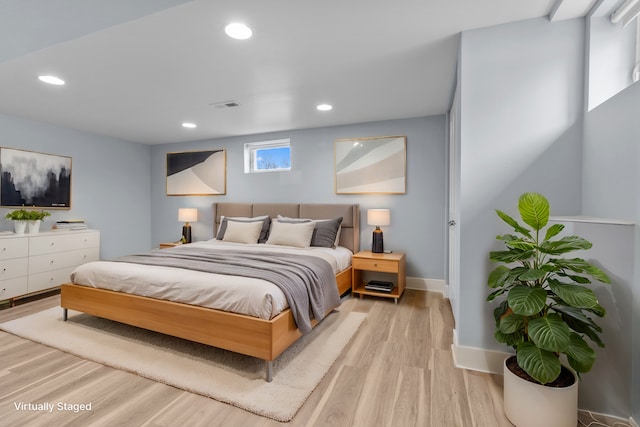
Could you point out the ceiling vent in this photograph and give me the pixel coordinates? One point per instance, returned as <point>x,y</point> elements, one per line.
<point>225,104</point>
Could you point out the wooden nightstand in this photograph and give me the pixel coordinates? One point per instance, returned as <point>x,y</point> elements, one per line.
<point>165,245</point>
<point>393,263</point>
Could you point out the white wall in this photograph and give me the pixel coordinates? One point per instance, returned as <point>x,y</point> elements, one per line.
<point>612,189</point>
<point>611,57</point>
<point>417,217</point>
<point>110,181</point>
<point>521,100</point>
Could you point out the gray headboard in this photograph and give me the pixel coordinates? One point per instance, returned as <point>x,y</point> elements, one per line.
<point>350,213</point>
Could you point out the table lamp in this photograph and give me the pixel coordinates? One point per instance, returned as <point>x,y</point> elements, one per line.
<point>378,217</point>
<point>187,215</point>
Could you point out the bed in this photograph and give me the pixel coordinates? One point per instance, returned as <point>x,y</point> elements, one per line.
<point>242,333</point>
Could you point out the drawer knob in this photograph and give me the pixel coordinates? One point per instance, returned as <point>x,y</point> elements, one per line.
<point>375,265</point>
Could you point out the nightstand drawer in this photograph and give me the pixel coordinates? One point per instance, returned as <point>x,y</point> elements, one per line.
<point>375,265</point>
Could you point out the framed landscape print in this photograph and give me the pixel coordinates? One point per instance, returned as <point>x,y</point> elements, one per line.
<point>371,165</point>
<point>197,173</point>
<point>34,179</point>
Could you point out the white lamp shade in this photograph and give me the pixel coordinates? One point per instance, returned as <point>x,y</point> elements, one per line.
<point>187,215</point>
<point>378,217</point>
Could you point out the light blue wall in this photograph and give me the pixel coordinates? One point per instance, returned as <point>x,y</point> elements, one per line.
<point>520,100</point>
<point>612,190</point>
<point>110,181</point>
<point>417,217</point>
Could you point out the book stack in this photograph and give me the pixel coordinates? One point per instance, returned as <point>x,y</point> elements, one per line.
<point>73,224</point>
<point>379,286</point>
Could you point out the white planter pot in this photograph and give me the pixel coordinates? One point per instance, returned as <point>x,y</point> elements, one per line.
<point>19,226</point>
<point>527,404</point>
<point>33,226</point>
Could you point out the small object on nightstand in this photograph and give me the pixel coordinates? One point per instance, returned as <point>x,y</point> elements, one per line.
<point>378,217</point>
<point>187,215</point>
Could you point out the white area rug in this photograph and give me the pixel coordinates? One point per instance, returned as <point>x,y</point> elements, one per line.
<point>222,375</point>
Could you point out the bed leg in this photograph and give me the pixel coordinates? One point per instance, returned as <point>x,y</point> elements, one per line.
<point>269,369</point>
<point>64,314</point>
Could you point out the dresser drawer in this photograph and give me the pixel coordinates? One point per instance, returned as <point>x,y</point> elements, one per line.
<point>52,243</point>
<point>12,268</point>
<point>58,260</point>
<point>13,287</point>
<point>14,248</point>
<point>49,279</point>
<point>375,265</point>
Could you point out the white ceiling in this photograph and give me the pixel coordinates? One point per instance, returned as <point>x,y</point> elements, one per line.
<point>136,70</point>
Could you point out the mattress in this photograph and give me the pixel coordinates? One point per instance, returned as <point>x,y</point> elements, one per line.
<point>243,295</point>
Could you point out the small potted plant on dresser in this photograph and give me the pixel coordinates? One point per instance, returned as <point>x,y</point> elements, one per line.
<point>545,313</point>
<point>35,219</point>
<point>19,218</point>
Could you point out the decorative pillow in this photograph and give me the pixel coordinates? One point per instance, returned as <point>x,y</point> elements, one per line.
<point>326,232</point>
<point>266,222</point>
<point>296,234</point>
<point>242,232</point>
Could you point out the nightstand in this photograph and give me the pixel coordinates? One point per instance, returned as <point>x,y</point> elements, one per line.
<point>165,245</point>
<point>392,263</point>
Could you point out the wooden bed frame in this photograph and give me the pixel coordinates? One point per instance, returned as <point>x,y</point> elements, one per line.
<point>264,339</point>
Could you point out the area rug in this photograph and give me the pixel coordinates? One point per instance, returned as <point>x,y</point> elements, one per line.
<point>219,374</point>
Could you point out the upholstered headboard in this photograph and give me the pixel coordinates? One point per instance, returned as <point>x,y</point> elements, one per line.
<point>350,213</point>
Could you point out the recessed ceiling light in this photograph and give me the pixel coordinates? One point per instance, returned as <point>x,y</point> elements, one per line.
<point>189,125</point>
<point>238,30</point>
<point>52,80</point>
<point>324,107</point>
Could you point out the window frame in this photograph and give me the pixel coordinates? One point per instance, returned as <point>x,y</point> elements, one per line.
<point>251,160</point>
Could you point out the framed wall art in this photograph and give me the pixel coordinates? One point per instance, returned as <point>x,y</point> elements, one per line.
<point>371,165</point>
<point>34,179</point>
<point>197,173</point>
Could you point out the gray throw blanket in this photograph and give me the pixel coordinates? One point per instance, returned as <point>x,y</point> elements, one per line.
<point>308,282</point>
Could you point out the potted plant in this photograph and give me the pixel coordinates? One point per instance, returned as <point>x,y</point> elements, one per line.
<point>19,218</point>
<point>545,313</point>
<point>34,220</point>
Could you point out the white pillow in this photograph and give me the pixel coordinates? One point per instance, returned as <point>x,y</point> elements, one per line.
<point>242,232</point>
<point>296,234</point>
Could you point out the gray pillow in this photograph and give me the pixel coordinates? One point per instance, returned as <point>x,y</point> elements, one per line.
<point>264,232</point>
<point>325,231</point>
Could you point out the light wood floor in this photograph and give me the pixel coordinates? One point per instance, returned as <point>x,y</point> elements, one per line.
<point>397,371</point>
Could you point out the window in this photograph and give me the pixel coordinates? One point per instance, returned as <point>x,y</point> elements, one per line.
<point>267,156</point>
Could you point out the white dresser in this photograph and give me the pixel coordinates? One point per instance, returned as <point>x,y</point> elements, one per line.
<point>31,263</point>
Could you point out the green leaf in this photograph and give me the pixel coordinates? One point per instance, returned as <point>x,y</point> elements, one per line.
<point>511,323</point>
<point>541,365</point>
<point>495,294</point>
<point>510,256</point>
<point>498,276</point>
<point>512,340</point>
<point>531,274</point>
<point>500,311</point>
<point>580,356</point>
<point>579,265</point>
<point>574,295</point>
<point>526,301</point>
<point>534,210</point>
<point>554,230</point>
<point>550,333</point>
<point>513,223</point>
<point>564,245</point>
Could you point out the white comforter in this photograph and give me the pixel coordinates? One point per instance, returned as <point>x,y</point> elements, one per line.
<point>253,297</point>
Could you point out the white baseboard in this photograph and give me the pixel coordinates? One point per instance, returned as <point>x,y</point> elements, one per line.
<point>428,285</point>
<point>477,359</point>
